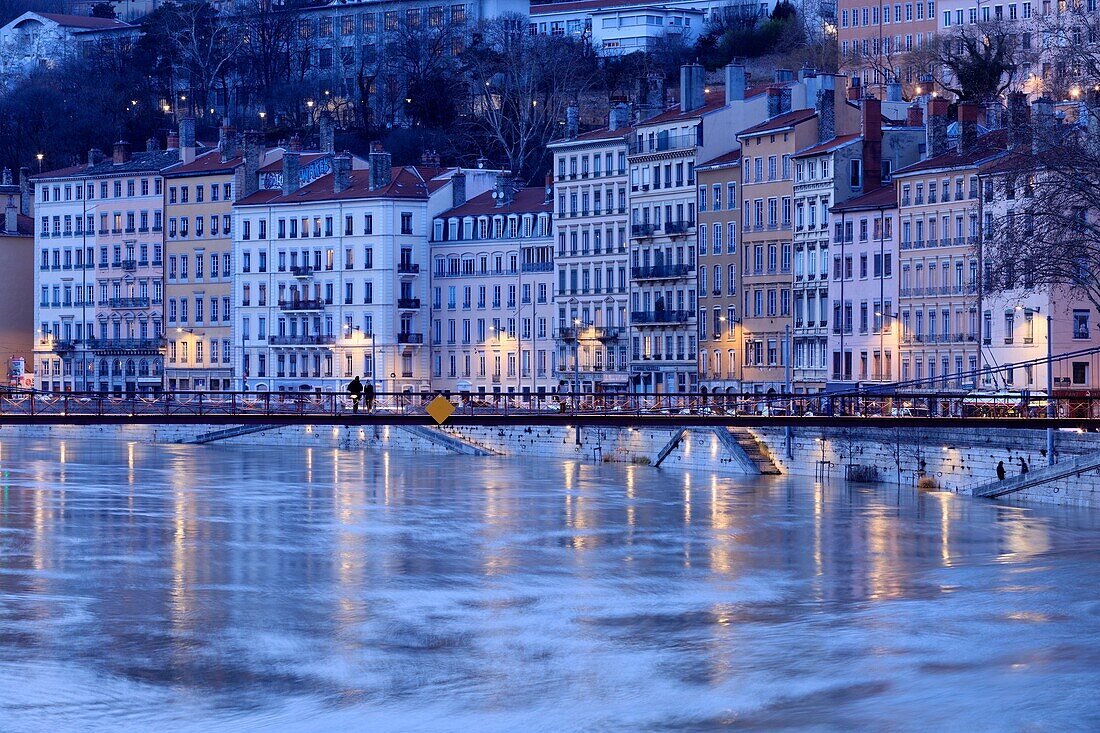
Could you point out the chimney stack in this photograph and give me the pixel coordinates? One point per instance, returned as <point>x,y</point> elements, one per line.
<point>5,178</point>
<point>380,166</point>
<point>341,172</point>
<point>871,111</point>
<point>855,91</point>
<point>783,76</point>
<point>572,120</point>
<point>430,159</point>
<point>246,176</point>
<point>736,81</point>
<point>26,191</point>
<point>1019,121</point>
<point>692,85</point>
<point>173,142</point>
<point>11,219</point>
<point>914,116</point>
<point>549,188</point>
<point>95,157</point>
<point>893,92</point>
<point>121,152</point>
<point>327,133</point>
<point>187,139</point>
<point>458,189</point>
<point>936,127</point>
<point>227,142</point>
<point>775,101</point>
<point>292,168</point>
<point>619,117</point>
<point>504,192</point>
<point>651,96</point>
<point>968,126</point>
<point>1044,124</point>
<point>826,108</point>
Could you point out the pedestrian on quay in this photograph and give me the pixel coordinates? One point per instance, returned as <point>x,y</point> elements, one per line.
<point>1024,468</point>
<point>1000,470</point>
<point>355,389</point>
<point>368,393</point>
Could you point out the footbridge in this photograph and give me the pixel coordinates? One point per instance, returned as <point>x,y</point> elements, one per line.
<point>899,409</point>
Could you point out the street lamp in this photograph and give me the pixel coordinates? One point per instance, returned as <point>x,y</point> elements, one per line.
<point>40,157</point>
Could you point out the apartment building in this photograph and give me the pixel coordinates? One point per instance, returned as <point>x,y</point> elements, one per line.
<point>330,281</point>
<point>938,212</point>
<point>590,229</point>
<point>767,242</point>
<point>17,264</point>
<point>718,277</point>
<point>492,288</point>
<point>100,272</point>
<point>878,42</point>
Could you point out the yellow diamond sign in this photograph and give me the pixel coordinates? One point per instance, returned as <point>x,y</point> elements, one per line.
<point>440,409</point>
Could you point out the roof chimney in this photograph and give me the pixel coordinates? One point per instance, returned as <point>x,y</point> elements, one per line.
<point>26,191</point>
<point>11,219</point>
<point>121,152</point>
<point>380,166</point>
<point>430,159</point>
<point>783,76</point>
<point>572,120</point>
<point>5,178</point>
<point>1044,124</point>
<point>935,129</point>
<point>775,102</point>
<point>914,116</point>
<point>292,169</point>
<point>549,189</point>
<point>968,126</point>
<point>504,192</point>
<point>692,85</point>
<point>855,91</point>
<point>619,117</point>
<point>893,92</point>
<point>95,157</point>
<point>736,81</point>
<point>341,172</point>
<point>327,133</point>
<point>826,108</point>
<point>871,112</point>
<point>1019,120</point>
<point>651,96</point>
<point>227,141</point>
<point>246,176</point>
<point>187,139</point>
<point>173,140</point>
<point>458,189</point>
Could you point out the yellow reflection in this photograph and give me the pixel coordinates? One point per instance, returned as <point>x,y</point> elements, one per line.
<point>1024,539</point>
<point>945,527</point>
<point>882,541</point>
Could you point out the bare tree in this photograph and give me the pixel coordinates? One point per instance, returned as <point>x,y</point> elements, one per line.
<point>977,62</point>
<point>265,56</point>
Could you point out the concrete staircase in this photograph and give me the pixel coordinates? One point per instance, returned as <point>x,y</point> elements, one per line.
<point>453,443</point>
<point>232,432</point>
<point>751,448</point>
<point>1038,477</point>
<point>666,451</point>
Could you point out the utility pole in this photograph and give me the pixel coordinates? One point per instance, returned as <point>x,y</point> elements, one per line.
<point>1050,394</point>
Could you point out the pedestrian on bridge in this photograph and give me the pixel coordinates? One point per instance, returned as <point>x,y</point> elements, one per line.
<point>355,389</point>
<point>1024,468</point>
<point>368,393</point>
<point>1000,470</point>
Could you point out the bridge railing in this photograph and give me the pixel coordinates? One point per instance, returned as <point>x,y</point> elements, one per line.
<point>228,404</point>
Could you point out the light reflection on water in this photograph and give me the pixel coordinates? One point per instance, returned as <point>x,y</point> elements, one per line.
<point>218,588</point>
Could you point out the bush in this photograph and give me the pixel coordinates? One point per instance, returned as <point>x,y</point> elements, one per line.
<point>927,483</point>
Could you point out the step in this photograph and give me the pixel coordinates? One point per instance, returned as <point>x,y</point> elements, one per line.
<point>232,432</point>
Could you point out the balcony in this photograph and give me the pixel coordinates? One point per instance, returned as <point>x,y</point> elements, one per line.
<point>410,338</point>
<point>408,304</point>
<point>661,143</point>
<point>661,272</point>
<point>129,265</point>
<point>642,231</point>
<point>301,271</point>
<point>128,302</point>
<point>127,344</point>
<point>538,266</point>
<point>312,304</point>
<point>315,340</point>
<point>671,317</point>
<point>679,227</point>
<point>408,268</point>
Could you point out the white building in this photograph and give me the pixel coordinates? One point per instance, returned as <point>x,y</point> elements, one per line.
<point>35,40</point>
<point>591,298</point>
<point>492,284</point>
<point>331,278</point>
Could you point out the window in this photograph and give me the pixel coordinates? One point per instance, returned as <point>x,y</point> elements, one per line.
<point>1080,324</point>
<point>406,222</point>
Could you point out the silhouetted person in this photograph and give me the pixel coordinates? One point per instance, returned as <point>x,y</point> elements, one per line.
<point>355,389</point>
<point>1024,467</point>
<point>1000,470</point>
<point>368,393</point>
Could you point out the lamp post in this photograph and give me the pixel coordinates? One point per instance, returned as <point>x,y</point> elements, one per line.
<point>1050,394</point>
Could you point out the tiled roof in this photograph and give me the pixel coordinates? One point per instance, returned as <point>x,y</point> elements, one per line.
<point>880,198</point>
<point>208,162</point>
<point>987,146</point>
<point>787,119</point>
<point>143,161</point>
<point>406,182</point>
<point>828,145</point>
<point>83,21</point>
<point>733,156</point>
<point>712,101</point>
<point>530,200</point>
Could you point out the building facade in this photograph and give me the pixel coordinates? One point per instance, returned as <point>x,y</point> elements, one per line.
<point>17,296</point>
<point>590,229</point>
<point>492,284</point>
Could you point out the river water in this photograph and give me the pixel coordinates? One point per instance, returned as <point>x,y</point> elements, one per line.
<point>195,588</point>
